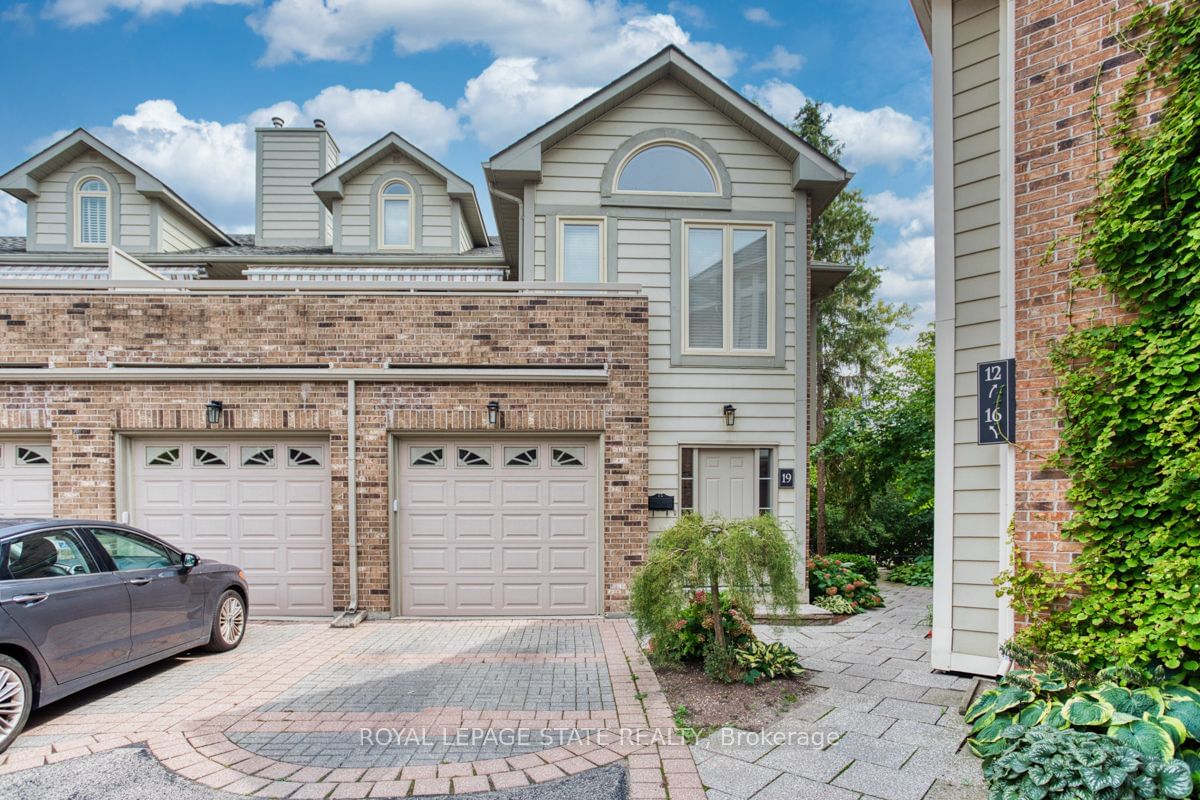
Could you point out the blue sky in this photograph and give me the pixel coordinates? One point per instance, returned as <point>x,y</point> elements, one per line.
<point>178,85</point>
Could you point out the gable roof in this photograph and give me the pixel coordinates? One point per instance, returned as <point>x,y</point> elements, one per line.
<point>521,161</point>
<point>332,185</point>
<point>23,181</point>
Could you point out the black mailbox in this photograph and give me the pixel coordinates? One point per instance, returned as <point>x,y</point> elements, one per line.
<point>662,502</point>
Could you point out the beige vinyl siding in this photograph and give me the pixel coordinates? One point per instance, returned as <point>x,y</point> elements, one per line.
<point>539,250</point>
<point>175,234</point>
<point>289,211</point>
<point>685,402</point>
<point>976,87</point>
<point>50,219</point>
<point>463,233</point>
<point>332,157</point>
<point>571,171</point>
<point>435,204</point>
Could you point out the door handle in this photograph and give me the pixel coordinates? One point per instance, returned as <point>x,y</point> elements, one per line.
<point>31,599</point>
<point>138,581</point>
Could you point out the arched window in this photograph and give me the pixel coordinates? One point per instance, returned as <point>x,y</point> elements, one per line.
<point>667,168</point>
<point>92,206</point>
<point>396,215</point>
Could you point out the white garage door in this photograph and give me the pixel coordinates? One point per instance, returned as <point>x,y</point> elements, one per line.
<point>25,488</point>
<point>261,504</point>
<point>498,527</point>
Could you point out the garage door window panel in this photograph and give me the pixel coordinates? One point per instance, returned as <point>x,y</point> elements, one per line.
<point>521,457</point>
<point>474,456</point>
<point>305,457</point>
<point>33,456</point>
<point>256,456</point>
<point>210,456</point>
<point>162,456</point>
<point>426,456</point>
<point>568,457</point>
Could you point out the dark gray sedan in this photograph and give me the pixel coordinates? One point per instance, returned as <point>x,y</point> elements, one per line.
<point>83,601</point>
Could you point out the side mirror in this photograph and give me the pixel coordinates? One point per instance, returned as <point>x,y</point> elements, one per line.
<point>190,560</point>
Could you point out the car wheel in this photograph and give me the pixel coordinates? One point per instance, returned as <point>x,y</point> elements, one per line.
<point>229,622</point>
<point>16,699</point>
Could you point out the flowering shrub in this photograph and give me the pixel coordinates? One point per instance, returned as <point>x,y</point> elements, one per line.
<point>690,636</point>
<point>830,577</point>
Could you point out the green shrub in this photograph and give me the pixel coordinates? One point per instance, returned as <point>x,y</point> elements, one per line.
<point>835,604</point>
<point>1051,764</point>
<point>721,664</point>
<point>689,638</point>
<point>918,572</point>
<point>830,577</point>
<point>863,565</point>
<point>769,661</point>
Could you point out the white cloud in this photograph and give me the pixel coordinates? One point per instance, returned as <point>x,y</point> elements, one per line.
<point>86,12</point>
<point>877,136</point>
<point>780,59</point>
<point>12,216</point>
<point>912,215</point>
<point>525,100</point>
<point>760,16</point>
<point>694,14</point>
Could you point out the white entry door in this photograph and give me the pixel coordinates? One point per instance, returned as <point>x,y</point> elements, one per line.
<point>262,504</point>
<point>727,482</point>
<point>493,527</point>
<point>25,486</point>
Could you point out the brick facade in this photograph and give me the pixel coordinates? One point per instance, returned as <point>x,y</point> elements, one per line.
<point>1068,66</point>
<point>93,329</point>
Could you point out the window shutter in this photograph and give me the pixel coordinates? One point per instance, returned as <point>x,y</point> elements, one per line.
<point>705,259</point>
<point>581,252</point>
<point>750,296</point>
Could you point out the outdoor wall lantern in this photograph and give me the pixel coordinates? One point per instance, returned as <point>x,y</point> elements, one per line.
<point>493,412</point>
<point>730,412</point>
<point>212,411</point>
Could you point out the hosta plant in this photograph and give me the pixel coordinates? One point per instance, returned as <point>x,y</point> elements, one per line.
<point>918,572</point>
<point>1047,763</point>
<point>863,565</point>
<point>835,604</point>
<point>768,661</point>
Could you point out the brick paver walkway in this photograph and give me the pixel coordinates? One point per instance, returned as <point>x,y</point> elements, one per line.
<point>898,729</point>
<point>388,709</point>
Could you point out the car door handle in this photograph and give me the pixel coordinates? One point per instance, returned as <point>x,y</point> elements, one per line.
<point>30,599</point>
<point>138,581</point>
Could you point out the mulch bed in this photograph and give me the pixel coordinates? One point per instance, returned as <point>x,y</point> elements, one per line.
<point>714,705</point>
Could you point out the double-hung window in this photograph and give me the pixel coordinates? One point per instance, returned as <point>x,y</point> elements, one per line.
<point>729,288</point>
<point>91,212</point>
<point>581,250</point>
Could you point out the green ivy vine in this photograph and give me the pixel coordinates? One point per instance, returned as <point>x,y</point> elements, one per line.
<point>1129,393</point>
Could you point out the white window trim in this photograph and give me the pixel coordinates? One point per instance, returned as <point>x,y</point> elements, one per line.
<point>77,200</point>
<point>728,228</point>
<point>601,223</point>
<point>712,170</point>
<point>381,202</point>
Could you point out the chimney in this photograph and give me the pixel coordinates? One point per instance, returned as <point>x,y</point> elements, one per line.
<point>288,160</point>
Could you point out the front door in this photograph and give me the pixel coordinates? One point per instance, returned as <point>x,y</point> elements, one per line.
<point>74,613</point>
<point>726,481</point>
<point>167,602</point>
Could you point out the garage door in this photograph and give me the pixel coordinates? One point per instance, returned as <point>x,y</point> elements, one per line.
<point>261,504</point>
<point>498,527</point>
<point>25,479</point>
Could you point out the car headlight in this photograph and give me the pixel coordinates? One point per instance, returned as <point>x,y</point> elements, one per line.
<point>242,574</point>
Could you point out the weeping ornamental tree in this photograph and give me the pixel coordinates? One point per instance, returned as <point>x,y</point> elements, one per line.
<point>752,559</point>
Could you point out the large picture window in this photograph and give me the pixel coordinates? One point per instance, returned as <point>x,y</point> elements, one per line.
<point>729,288</point>
<point>92,212</point>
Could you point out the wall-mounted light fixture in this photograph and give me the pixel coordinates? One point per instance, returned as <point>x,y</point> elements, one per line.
<point>493,408</point>
<point>730,412</point>
<point>212,411</point>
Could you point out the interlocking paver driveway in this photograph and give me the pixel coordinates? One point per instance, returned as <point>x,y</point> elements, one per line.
<point>386,710</point>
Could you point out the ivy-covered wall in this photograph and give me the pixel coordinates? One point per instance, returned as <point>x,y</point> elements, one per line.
<point>1107,260</point>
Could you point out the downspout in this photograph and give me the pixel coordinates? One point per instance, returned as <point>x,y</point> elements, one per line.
<point>352,488</point>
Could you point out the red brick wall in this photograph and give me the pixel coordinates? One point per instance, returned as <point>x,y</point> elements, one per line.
<point>1068,64</point>
<point>95,329</point>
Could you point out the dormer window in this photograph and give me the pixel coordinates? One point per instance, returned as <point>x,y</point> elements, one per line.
<point>667,168</point>
<point>92,207</point>
<point>396,215</point>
